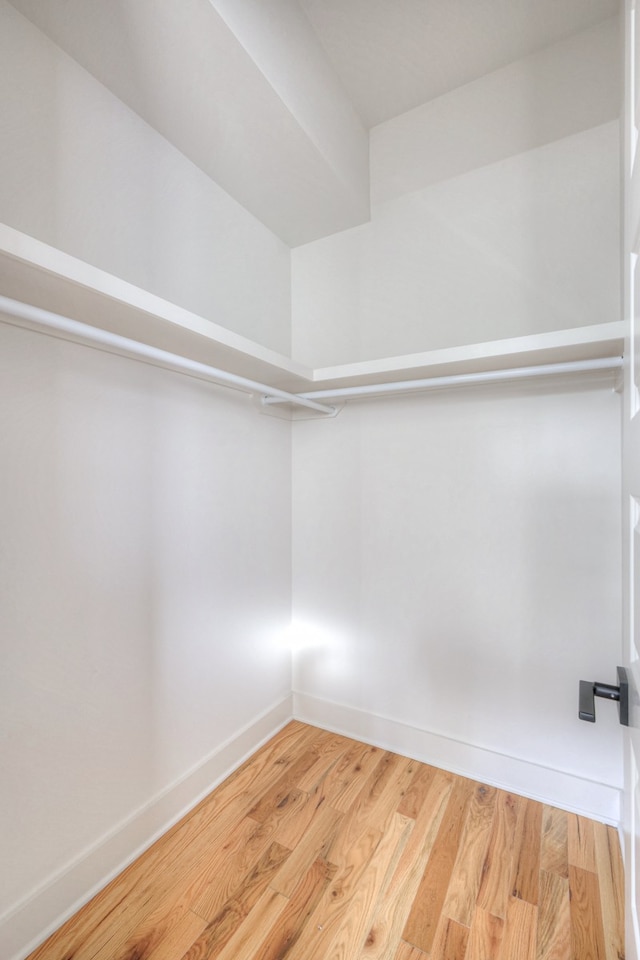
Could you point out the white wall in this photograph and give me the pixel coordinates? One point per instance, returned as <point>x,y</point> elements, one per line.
<point>144,589</point>
<point>495,214</point>
<point>83,173</point>
<point>456,572</point>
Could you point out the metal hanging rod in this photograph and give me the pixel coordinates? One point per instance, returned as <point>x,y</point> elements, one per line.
<point>460,379</point>
<point>120,344</point>
<point>273,395</point>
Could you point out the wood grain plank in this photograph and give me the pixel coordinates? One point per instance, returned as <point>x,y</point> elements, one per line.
<point>414,798</point>
<point>554,853</point>
<point>299,818</point>
<point>378,800</point>
<point>380,789</point>
<point>466,876</point>
<point>581,842</point>
<point>161,925</point>
<point>495,888</point>
<point>279,795</point>
<point>587,933</point>
<point>450,942</point>
<point>485,936</point>
<point>141,920</point>
<point>330,751</point>
<point>316,843</point>
<point>321,926</point>
<point>306,881</point>
<point>350,926</point>
<point>292,828</point>
<point>374,805</point>
<point>117,909</point>
<point>348,776</point>
<point>611,885</point>
<point>554,918</point>
<point>224,926</point>
<point>520,931</point>
<point>130,898</point>
<point>527,862</point>
<point>245,847</point>
<point>247,938</point>
<point>202,889</point>
<point>281,937</point>
<point>177,940</point>
<point>423,919</point>
<point>396,902</point>
<point>406,951</point>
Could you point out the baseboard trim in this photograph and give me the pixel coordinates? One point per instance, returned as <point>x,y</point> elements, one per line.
<point>588,798</point>
<point>29,922</point>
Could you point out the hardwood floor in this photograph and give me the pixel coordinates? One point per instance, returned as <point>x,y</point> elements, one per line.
<point>323,848</point>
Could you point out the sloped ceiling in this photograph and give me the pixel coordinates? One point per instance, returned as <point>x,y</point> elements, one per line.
<point>277,133</point>
<point>393,55</point>
<point>273,98</point>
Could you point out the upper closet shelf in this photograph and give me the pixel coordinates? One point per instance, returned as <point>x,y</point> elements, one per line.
<point>38,274</point>
<point>559,346</point>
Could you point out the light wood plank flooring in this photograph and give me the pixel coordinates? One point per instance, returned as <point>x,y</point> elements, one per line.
<point>323,848</point>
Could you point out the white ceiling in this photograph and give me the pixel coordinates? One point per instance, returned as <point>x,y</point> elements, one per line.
<point>242,88</point>
<point>273,98</point>
<point>392,55</point>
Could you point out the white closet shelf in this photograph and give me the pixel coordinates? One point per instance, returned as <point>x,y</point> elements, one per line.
<point>36,273</point>
<point>559,346</point>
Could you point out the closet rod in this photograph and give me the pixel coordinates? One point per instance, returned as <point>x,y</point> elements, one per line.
<point>460,379</point>
<point>120,344</point>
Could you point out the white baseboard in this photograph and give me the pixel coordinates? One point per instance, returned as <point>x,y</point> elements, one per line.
<point>598,801</point>
<point>33,919</point>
